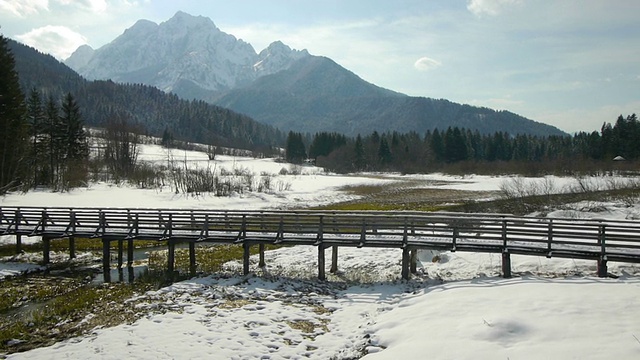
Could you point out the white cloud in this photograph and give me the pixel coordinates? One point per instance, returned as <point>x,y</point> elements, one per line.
<point>504,103</point>
<point>489,7</point>
<point>59,41</point>
<point>22,8</point>
<point>425,64</point>
<point>91,5</point>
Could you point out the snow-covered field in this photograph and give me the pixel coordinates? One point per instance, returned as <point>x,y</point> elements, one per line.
<point>456,308</point>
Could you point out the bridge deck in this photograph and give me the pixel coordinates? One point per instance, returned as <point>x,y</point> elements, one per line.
<point>601,240</point>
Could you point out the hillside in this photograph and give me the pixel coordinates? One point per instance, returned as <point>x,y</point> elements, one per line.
<point>143,105</point>
<point>316,94</point>
<point>289,89</point>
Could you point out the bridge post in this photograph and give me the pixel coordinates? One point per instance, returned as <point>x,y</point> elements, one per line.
<point>602,260</point>
<point>414,261</point>
<point>334,259</point>
<point>130,252</point>
<point>130,274</point>
<point>405,263</point>
<point>106,260</point>
<point>321,273</point>
<point>72,247</point>
<point>506,264</point>
<point>262,263</point>
<point>18,243</point>
<point>46,247</point>
<point>245,257</point>
<point>192,258</point>
<point>171,256</point>
<point>603,270</point>
<point>120,252</point>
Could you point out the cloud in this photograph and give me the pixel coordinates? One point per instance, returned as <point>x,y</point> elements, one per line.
<point>91,5</point>
<point>489,7</point>
<point>425,64</point>
<point>22,8</point>
<point>59,41</point>
<point>504,103</point>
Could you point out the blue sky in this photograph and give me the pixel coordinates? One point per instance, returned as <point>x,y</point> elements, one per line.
<point>574,64</point>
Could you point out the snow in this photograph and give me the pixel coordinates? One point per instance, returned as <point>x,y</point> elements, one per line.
<point>183,48</point>
<point>456,307</point>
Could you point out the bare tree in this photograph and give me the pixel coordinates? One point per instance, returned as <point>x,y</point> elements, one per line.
<point>121,149</point>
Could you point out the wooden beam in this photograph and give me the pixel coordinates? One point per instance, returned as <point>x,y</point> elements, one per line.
<point>414,261</point>
<point>245,257</point>
<point>506,264</point>
<point>262,263</point>
<point>120,253</point>
<point>171,256</point>
<point>192,258</point>
<point>106,260</point>
<point>405,263</point>
<point>321,273</point>
<point>603,270</point>
<point>130,252</point>
<point>72,247</point>
<point>18,244</point>
<point>334,259</point>
<point>46,247</point>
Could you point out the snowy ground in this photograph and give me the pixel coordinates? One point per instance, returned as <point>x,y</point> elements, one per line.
<point>455,308</point>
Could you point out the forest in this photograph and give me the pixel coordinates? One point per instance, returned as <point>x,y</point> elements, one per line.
<point>461,150</point>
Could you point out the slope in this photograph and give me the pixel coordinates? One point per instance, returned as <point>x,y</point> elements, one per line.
<point>316,94</point>
<point>143,105</point>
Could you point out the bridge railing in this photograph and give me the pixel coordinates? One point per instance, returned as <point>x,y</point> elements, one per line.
<point>604,240</point>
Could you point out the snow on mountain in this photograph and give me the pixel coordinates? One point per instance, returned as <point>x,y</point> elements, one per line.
<point>81,57</point>
<point>276,57</point>
<point>183,52</point>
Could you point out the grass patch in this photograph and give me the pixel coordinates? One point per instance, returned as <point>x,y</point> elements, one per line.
<point>69,311</point>
<point>209,258</point>
<point>81,244</point>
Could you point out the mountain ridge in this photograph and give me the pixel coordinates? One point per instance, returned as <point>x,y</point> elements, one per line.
<point>280,86</point>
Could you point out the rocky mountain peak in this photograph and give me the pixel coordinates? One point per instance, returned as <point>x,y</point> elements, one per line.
<point>186,54</point>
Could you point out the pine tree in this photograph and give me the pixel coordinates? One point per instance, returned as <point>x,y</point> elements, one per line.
<point>360,161</point>
<point>75,146</point>
<point>13,125</point>
<point>55,140</point>
<point>384,153</point>
<point>295,149</point>
<point>76,139</point>
<point>38,154</point>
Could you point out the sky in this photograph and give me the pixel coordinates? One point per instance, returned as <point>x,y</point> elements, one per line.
<point>572,63</point>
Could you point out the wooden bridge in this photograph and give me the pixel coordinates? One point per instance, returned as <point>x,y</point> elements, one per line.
<point>598,240</point>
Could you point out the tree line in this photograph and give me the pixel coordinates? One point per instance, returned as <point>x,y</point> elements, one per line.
<point>43,141</point>
<point>148,108</point>
<point>454,147</point>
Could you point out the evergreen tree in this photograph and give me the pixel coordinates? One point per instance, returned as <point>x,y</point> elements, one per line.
<point>384,152</point>
<point>38,153</point>
<point>359,161</point>
<point>295,150</point>
<point>75,147</point>
<point>55,140</point>
<point>13,124</point>
<point>437,146</point>
<point>455,145</point>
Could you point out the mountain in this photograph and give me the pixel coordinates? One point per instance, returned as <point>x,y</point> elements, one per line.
<point>187,55</point>
<point>148,107</point>
<point>316,94</point>
<point>289,89</point>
